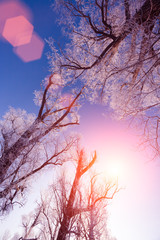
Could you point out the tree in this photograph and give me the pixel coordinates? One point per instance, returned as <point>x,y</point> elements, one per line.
<point>114,51</point>
<point>30,143</point>
<point>112,56</point>
<point>73,207</point>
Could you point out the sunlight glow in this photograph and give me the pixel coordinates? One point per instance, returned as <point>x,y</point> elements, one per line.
<point>115,166</point>
<point>115,170</point>
<point>120,160</point>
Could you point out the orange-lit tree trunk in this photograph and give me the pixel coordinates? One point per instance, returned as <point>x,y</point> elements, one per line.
<point>70,211</point>
<point>77,209</point>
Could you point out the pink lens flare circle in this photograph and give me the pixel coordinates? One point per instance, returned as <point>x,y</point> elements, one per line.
<point>18,31</point>
<point>11,9</point>
<point>31,51</point>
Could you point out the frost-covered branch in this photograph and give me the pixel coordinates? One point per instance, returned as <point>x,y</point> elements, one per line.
<point>26,139</point>
<point>114,50</point>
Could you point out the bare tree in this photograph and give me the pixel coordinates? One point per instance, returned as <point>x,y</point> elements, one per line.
<point>94,223</point>
<point>30,144</point>
<point>114,50</point>
<point>113,57</point>
<point>71,210</point>
<point>75,208</point>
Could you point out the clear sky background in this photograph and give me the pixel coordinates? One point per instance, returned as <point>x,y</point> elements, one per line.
<point>134,214</point>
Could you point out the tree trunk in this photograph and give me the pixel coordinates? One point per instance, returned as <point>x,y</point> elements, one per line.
<point>91,226</point>
<point>63,228</point>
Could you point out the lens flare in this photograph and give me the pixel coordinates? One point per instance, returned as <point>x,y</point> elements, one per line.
<point>31,51</point>
<point>18,31</point>
<point>10,9</point>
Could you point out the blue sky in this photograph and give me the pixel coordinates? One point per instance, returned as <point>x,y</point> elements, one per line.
<point>20,79</point>
<point>135,212</point>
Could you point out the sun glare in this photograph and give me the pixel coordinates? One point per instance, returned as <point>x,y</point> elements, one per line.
<point>114,166</point>
<point>120,161</point>
<point>115,170</point>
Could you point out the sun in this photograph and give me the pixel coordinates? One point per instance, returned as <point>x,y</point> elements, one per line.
<point>114,165</point>
<point>114,170</point>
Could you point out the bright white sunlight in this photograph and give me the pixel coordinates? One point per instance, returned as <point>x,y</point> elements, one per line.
<point>115,167</point>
